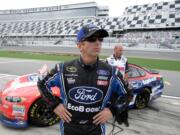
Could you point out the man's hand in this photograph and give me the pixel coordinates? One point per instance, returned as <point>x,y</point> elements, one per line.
<point>63,113</point>
<point>44,69</point>
<point>43,72</point>
<point>102,116</point>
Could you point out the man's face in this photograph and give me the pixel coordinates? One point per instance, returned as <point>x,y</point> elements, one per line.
<point>118,51</point>
<point>91,46</point>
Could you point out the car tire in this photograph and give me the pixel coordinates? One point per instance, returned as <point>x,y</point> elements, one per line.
<point>40,115</point>
<point>142,99</point>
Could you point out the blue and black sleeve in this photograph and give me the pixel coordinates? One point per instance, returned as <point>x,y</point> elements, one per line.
<point>52,79</point>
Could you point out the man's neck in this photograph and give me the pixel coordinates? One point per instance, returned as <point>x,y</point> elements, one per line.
<point>89,60</point>
<point>117,57</point>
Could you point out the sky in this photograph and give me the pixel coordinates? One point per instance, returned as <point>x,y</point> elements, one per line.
<point>116,7</point>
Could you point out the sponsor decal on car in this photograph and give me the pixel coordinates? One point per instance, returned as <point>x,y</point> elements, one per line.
<point>18,110</point>
<point>71,69</point>
<point>136,84</point>
<point>33,78</point>
<point>5,106</point>
<point>147,81</point>
<point>85,95</point>
<point>19,118</point>
<point>156,89</point>
<point>17,85</point>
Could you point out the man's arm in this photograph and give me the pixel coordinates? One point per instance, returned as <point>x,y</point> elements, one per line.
<point>119,102</point>
<point>126,71</point>
<point>119,90</point>
<point>120,85</point>
<point>52,79</point>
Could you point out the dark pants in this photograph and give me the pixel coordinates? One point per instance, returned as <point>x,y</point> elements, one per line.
<point>72,129</point>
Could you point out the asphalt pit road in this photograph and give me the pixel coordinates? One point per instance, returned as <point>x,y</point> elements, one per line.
<point>153,108</point>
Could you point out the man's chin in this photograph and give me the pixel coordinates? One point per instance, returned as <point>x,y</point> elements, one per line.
<point>95,54</point>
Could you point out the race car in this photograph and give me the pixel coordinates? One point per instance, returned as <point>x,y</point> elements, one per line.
<point>146,84</point>
<point>21,103</point>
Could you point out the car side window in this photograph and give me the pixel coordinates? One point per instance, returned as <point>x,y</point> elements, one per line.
<point>142,73</point>
<point>133,72</point>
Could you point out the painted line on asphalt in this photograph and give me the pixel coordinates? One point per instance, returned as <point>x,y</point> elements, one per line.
<point>171,97</point>
<point>167,83</point>
<point>4,76</point>
<point>7,75</point>
<point>17,61</point>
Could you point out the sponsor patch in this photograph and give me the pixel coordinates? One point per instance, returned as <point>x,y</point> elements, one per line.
<point>102,78</point>
<point>103,83</point>
<point>103,72</point>
<point>83,121</point>
<point>121,68</point>
<point>71,69</point>
<point>112,62</point>
<point>70,80</point>
<point>18,110</point>
<point>71,75</point>
<point>82,108</point>
<point>85,95</point>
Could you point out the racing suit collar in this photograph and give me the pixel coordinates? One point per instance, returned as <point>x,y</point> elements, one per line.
<point>116,57</point>
<point>90,66</point>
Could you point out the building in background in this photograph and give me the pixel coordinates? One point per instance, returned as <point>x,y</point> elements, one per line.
<point>89,9</point>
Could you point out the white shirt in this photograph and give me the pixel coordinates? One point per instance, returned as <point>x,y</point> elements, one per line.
<point>119,63</point>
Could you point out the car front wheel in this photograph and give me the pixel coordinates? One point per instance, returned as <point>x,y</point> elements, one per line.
<point>40,115</point>
<point>142,99</point>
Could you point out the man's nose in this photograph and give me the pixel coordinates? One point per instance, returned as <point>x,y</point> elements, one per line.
<point>97,42</point>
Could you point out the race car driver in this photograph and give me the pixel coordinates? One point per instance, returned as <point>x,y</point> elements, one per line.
<point>86,85</point>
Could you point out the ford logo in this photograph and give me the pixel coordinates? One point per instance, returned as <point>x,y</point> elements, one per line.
<point>136,84</point>
<point>85,95</point>
<point>103,72</point>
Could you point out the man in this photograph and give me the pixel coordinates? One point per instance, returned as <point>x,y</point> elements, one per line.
<point>120,61</point>
<point>86,85</point>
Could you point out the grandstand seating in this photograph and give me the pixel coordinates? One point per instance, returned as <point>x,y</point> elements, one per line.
<point>150,17</point>
<point>162,14</point>
<point>157,15</point>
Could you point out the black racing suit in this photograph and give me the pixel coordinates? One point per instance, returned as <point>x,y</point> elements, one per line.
<point>85,90</point>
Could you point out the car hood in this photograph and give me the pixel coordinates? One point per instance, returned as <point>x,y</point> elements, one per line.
<point>25,85</point>
<point>22,83</point>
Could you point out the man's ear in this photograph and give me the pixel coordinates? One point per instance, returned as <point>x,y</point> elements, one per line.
<point>79,45</point>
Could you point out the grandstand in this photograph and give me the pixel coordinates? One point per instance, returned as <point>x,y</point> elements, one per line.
<point>152,25</point>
